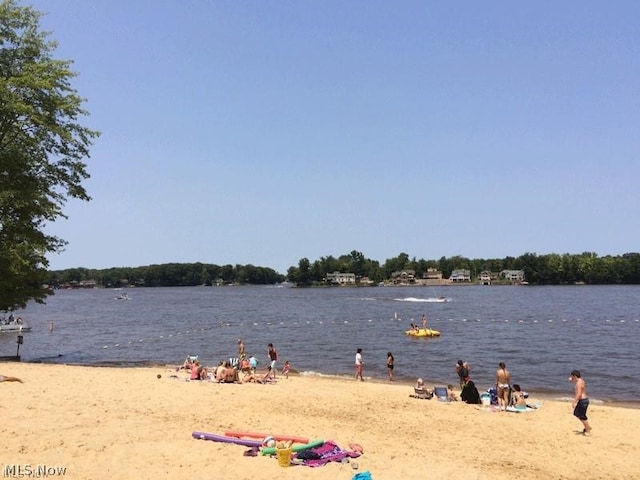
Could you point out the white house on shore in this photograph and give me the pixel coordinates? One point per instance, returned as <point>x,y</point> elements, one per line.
<point>339,278</point>
<point>514,276</point>
<point>460,276</point>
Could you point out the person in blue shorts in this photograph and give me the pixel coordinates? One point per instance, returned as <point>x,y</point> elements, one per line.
<point>580,401</point>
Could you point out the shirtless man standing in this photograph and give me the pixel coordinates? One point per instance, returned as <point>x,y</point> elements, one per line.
<point>580,401</point>
<point>503,378</point>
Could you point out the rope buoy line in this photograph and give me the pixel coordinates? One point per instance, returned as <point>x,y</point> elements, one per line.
<point>344,322</point>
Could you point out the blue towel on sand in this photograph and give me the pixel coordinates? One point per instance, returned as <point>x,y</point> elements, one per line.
<point>362,476</point>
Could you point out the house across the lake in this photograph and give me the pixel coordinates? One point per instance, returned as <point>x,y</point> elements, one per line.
<point>513,276</point>
<point>460,276</point>
<point>339,278</point>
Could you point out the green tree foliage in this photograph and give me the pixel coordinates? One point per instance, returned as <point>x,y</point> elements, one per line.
<point>42,147</point>
<point>166,275</point>
<point>551,269</point>
<point>302,275</point>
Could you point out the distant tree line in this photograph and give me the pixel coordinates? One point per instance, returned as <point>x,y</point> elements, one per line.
<point>551,269</point>
<point>167,275</point>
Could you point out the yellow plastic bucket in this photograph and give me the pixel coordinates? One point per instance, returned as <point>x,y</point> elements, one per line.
<point>284,456</point>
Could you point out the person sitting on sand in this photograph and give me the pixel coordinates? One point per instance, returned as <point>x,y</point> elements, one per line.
<point>453,397</point>
<point>218,373</point>
<point>286,369</point>
<point>248,377</point>
<point>252,378</point>
<point>198,372</point>
<point>188,363</point>
<point>268,376</point>
<point>470,393</point>
<point>6,378</point>
<point>518,399</point>
<point>420,385</point>
<point>245,366</point>
<point>225,373</point>
<point>420,391</point>
<point>231,374</point>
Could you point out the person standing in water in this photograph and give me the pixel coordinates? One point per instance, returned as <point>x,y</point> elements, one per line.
<point>580,401</point>
<point>390,361</point>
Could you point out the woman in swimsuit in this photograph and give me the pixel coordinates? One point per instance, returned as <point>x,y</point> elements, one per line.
<point>390,361</point>
<point>503,378</point>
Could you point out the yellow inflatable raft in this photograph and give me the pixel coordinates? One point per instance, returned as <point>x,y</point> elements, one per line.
<point>422,332</point>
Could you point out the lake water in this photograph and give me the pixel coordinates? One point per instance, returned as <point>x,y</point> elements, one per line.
<point>542,333</point>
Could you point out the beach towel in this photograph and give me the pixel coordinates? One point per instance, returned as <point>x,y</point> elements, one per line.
<point>529,408</point>
<point>327,452</point>
<point>522,409</point>
<point>362,476</point>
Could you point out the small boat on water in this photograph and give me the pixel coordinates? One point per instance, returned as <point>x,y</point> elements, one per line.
<point>122,296</point>
<point>422,332</point>
<point>14,326</point>
<point>440,299</point>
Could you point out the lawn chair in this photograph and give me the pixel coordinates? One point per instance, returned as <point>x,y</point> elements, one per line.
<point>441,394</point>
<point>190,360</point>
<point>421,393</point>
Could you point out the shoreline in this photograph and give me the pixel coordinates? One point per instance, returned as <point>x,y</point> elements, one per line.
<point>564,396</point>
<point>122,422</point>
<point>541,395</point>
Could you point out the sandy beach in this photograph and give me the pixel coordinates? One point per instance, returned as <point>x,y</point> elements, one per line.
<point>122,423</point>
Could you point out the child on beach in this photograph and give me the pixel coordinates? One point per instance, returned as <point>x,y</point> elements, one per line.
<point>359,365</point>
<point>286,369</point>
<point>452,394</point>
<point>253,363</point>
<point>580,401</point>
<point>390,361</point>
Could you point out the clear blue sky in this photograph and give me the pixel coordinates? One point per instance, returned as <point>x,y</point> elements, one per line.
<point>262,132</point>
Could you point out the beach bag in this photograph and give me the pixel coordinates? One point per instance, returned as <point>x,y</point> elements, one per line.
<point>493,393</point>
